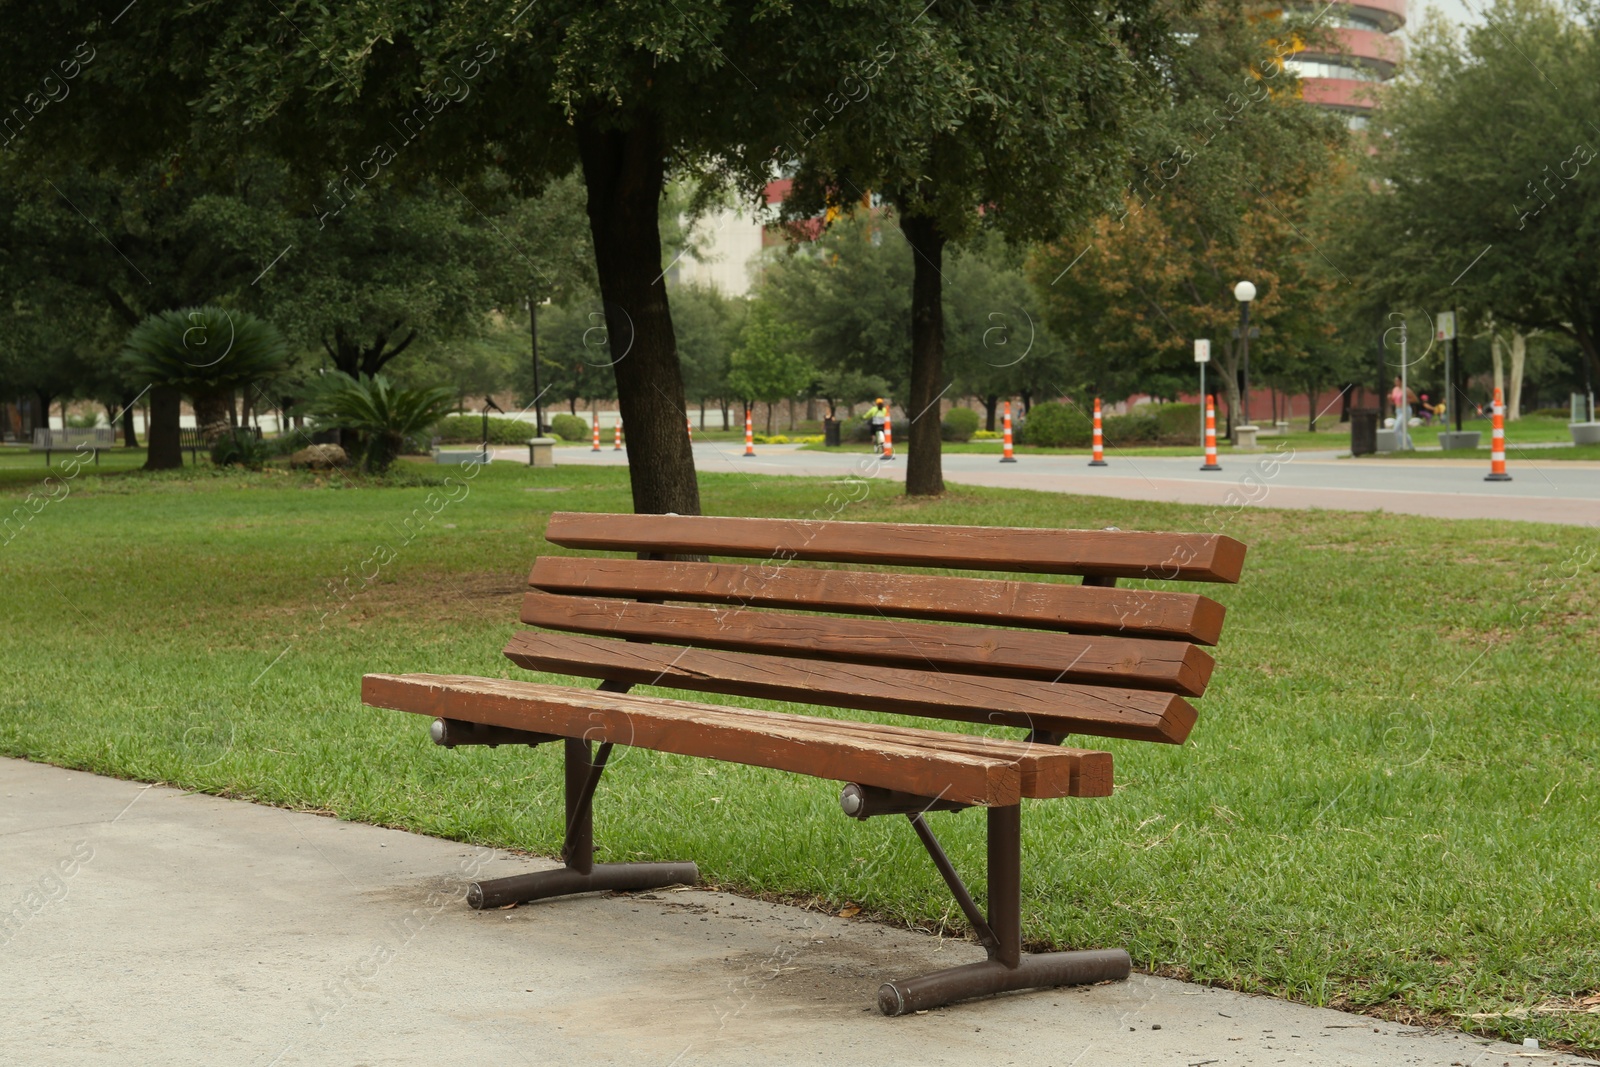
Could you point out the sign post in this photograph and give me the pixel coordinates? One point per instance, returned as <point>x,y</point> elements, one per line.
<point>1202,356</point>
<point>1445,330</point>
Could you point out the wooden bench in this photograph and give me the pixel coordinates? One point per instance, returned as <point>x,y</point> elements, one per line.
<point>1049,658</point>
<point>73,438</point>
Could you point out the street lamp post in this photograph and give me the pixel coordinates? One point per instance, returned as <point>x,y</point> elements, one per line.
<point>533,348</point>
<point>1245,292</point>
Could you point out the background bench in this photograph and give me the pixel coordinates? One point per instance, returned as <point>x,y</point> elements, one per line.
<point>1048,658</point>
<point>96,437</point>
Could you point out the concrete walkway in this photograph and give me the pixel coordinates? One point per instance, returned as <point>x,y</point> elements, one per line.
<point>144,925</point>
<point>1541,490</point>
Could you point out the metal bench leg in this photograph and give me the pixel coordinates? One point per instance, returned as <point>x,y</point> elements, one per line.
<point>581,874</point>
<point>1008,967</point>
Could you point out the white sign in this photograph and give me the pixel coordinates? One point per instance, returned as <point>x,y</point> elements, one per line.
<point>1445,326</point>
<point>1202,350</point>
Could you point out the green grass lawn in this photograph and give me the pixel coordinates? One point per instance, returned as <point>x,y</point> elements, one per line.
<point>1389,802</point>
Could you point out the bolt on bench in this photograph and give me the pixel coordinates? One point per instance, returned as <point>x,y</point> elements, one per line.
<point>1049,658</point>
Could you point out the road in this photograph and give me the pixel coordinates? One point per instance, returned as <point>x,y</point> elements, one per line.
<point>1541,490</point>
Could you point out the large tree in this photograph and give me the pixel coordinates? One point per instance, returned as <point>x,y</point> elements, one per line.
<point>1481,193</point>
<point>1014,115</point>
<point>1224,172</point>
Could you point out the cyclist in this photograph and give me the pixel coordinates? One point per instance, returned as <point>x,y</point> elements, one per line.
<point>876,417</point>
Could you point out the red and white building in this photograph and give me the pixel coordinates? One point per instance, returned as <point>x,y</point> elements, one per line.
<point>1345,78</point>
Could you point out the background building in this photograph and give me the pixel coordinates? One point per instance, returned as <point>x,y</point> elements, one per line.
<point>1366,32</point>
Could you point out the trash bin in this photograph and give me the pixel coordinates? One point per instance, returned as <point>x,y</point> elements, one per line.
<point>1363,431</point>
<point>830,433</point>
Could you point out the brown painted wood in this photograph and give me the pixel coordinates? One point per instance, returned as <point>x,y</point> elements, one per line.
<point>926,762</point>
<point>1030,705</point>
<point>1140,663</point>
<point>1108,553</point>
<point>1085,609</point>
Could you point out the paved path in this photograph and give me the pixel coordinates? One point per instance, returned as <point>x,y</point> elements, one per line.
<point>1561,491</point>
<point>144,925</point>
<point>1541,490</point>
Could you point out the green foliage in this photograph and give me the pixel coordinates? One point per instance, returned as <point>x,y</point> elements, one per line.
<point>571,428</point>
<point>388,419</point>
<point>959,424</point>
<point>200,350</point>
<point>1056,425</point>
<point>468,429</point>
<point>767,366</point>
<point>241,448</point>
<point>83,422</point>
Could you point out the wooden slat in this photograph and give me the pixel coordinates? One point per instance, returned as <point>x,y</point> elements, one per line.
<point>926,762</point>
<point>1139,663</point>
<point>1103,712</point>
<point>1038,605</point>
<point>1120,554</point>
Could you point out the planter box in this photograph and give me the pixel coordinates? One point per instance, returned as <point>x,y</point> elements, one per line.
<point>1449,440</point>
<point>1584,433</point>
<point>1246,438</point>
<point>1388,439</point>
<point>541,452</point>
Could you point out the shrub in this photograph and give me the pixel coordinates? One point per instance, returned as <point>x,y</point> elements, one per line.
<point>241,448</point>
<point>85,422</point>
<point>855,431</point>
<point>1176,424</point>
<point>468,429</point>
<point>989,435</point>
<point>959,425</point>
<point>570,428</point>
<point>386,418</point>
<point>1053,425</point>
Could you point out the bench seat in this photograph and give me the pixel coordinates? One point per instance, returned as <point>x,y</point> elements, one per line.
<point>946,766</point>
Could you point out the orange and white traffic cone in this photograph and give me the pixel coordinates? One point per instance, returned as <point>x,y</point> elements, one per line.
<point>888,437</point>
<point>1497,443</point>
<point>1006,456</point>
<point>596,417</point>
<point>1211,463</point>
<point>1099,459</point>
<point>688,422</point>
<point>749,435</point>
<point>616,438</point>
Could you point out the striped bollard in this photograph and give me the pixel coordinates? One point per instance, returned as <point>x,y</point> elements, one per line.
<point>1099,459</point>
<point>749,435</point>
<point>616,438</point>
<point>596,416</point>
<point>1497,443</point>
<point>1211,463</point>
<point>888,437</point>
<point>1006,456</point>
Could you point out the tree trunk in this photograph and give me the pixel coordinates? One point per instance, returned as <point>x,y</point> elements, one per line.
<point>990,403</point>
<point>1519,356</point>
<point>161,431</point>
<point>1499,366</point>
<point>1230,382</point>
<point>768,431</point>
<point>623,171</point>
<point>130,439</point>
<point>725,425</point>
<point>1311,408</point>
<point>924,460</point>
<point>211,411</point>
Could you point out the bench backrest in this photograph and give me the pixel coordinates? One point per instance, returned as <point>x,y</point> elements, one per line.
<point>72,436</point>
<point>1051,657</point>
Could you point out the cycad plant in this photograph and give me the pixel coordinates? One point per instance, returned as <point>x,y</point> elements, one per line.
<point>205,354</point>
<point>385,417</point>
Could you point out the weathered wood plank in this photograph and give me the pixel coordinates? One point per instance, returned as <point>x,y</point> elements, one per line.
<point>925,762</point>
<point>1139,663</point>
<point>1118,554</point>
<point>1031,705</point>
<point>1081,609</point>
